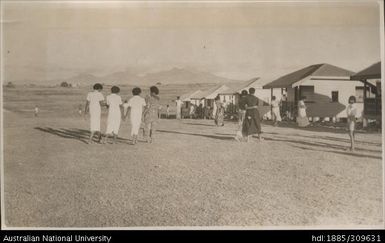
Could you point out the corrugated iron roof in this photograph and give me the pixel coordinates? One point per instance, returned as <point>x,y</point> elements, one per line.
<point>371,72</point>
<point>321,70</point>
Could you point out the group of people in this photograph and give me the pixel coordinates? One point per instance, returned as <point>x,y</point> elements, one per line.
<point>249,117</point>
<point>141,111</point>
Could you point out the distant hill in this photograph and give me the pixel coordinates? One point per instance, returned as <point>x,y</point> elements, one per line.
<point>129,77</point>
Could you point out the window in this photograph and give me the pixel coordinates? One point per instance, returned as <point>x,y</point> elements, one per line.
<point>360,94</point>
<point>334,96</point>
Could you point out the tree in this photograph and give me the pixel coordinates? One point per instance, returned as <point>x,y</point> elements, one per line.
<point>10,85</point>
<point>64,84</point>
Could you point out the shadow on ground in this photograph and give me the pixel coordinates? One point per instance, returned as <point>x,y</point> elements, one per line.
<point>200,135</point>
<point>73,133</point>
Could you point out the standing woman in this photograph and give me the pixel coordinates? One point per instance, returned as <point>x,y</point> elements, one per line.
<point>252,121</point>
<point>241,114</point>
<point>220,112</point>
<point>151,113</point>
<point>302,119</point>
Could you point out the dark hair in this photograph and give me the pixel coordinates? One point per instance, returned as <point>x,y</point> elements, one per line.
<point>98,86</point>
<point>244,92</point>
<point>251,90</point>
<point>136,91</point>
<point>154,90</point>
<point>352,98</point>
<point>177,97</point>
<point>303,97</point>
<point>273,98</point>
<point>115,89</point>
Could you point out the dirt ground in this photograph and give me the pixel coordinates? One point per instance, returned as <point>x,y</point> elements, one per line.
<point>194,174</point>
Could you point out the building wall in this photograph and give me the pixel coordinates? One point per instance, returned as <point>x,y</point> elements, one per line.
<point>321,105</point>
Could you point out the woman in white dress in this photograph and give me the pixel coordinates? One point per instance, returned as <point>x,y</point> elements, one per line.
<point>114,104</point>
<point>351,111</point>
<point>302,119</point>
<point>276,116</point>
<point>93,105</point>
<point>136,104</point>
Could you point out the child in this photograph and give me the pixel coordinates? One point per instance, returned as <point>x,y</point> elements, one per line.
<point>351,111</point>
<point>150,114</point>
<point>93,105</point>
<point>114,103</point>
<point>136,103</point>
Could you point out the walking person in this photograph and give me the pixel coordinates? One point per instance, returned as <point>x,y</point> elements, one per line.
<point>114,104</point>
<point>220,112</point>
<point>275,114</point>
<point>150,114</point>
<point>179,104</point>
<point>95,101</point>
<point>252,121</point>
<point>351,111</point>
<point>136,104</point>
<point>241,114</point>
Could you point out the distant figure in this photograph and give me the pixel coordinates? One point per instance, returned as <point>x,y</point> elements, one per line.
<point>351,111</point>
<point>114,104</point>
<point>219,115</point>
<point>36,111</point>
<point>252,121</point>
<point>179,104</point>
<point>168,112</point>
<point>192,111</point>
<point>160,112</point>
<point>151,113</point>
<point>241,115</point>
<point>136,103</point>
<point>302,119</point>
<point>275,114</point>
<point>94,102</point>
<point>80,110</point>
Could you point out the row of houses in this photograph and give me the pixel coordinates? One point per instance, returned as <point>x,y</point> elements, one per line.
<point>326,87</point>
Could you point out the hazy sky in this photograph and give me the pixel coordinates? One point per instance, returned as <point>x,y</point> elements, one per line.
<point>44,40</point>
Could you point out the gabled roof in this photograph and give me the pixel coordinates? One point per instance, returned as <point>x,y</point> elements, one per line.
<point>319,70</point>
<point>187,97</point>
<point>242,86</point>
<point>197,96</point>
<point>213,92</point>
<point>371,72</point>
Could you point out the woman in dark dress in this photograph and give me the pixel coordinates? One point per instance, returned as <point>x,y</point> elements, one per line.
<point>252,121</point>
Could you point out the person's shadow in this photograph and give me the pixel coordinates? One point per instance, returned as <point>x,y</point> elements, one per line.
<point>73,133</point>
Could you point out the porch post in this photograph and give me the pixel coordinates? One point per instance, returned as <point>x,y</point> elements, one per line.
<point>271,107</point>
<point>364,119</point>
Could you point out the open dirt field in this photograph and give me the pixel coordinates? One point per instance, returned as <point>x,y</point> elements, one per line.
<point>194,174</point>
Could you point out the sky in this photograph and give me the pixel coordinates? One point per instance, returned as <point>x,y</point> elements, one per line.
<point>54,40</point>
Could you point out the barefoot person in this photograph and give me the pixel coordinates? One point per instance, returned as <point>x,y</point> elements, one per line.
<point>94,102</point>
<point>151,113</point>
<point>276,116</point>
<point>114,104</point>
<point>252,121</point>
<point>241,114</point>
<point>136,103</point>
<point>220,112</point>
<point>351,111</point>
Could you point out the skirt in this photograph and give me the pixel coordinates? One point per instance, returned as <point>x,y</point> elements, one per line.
<point>251,123</point>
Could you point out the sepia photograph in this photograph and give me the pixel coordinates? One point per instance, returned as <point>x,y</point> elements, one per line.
<point>192,114</point>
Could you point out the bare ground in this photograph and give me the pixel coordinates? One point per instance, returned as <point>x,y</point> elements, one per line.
<point>195,174</point>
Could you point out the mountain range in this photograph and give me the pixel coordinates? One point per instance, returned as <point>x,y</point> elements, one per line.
<point>172,76</point>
